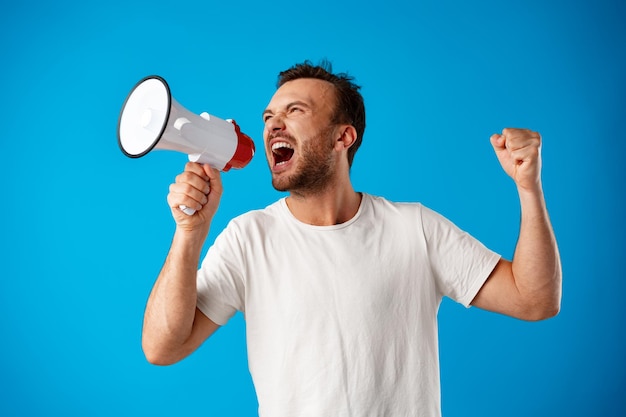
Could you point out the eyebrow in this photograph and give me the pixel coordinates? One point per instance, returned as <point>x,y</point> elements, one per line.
<point>288,106</point>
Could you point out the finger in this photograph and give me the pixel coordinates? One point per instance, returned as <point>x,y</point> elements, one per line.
<point>525,153</point>
<point>512,131</point>
<point>183,193</point>
<point>497,141</point>
<point>521,139</point>
<point>200,183</point>
<point>197,169</point>
<point>176,200</point>
<point>189,190</point>
<point>214,178</point>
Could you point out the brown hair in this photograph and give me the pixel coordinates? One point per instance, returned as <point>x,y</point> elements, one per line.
<point>350,108</point>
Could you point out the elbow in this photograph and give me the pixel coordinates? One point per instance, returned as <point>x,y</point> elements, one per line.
<point>159,360</point>
<point>158,356</point>
<point>543,304</point>
<point>542,311</point>
<point>554,309</point>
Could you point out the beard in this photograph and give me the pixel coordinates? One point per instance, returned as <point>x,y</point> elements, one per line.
<point>315,170</point>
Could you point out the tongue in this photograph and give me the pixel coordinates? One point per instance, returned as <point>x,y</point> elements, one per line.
<point>282,154</point>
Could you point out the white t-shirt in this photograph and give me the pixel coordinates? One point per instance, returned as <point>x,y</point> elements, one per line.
<point>342,320</point>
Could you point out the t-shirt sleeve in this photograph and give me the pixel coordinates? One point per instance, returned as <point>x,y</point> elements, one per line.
<point>460,263</point>
<point>220,278</point>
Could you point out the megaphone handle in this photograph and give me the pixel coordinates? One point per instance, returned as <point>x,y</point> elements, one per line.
<point>189,211</point>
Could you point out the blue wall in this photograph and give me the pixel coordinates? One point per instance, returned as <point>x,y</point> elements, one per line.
<point>84,230</point>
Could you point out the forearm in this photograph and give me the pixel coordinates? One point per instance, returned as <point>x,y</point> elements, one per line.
<point>171,307</point>
<point>536,263</point>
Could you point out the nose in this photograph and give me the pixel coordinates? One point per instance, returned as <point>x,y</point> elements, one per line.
<point>275,123</point>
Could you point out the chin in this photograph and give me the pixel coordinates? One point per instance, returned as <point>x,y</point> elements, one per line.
<point>280,185</point>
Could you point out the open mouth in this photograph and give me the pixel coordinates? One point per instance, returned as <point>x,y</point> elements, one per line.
<point>282,152</point>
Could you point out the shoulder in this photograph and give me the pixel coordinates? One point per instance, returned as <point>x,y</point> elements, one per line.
<point>382,206</point>
<point>407,212</point>
<point>256,220</point>
<point>247,229</point>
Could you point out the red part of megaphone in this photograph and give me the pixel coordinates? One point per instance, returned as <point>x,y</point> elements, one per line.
<point>244,152</point>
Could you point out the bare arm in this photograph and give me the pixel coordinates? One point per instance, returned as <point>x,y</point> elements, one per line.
<point>173,326</point>
<point>529,287</point>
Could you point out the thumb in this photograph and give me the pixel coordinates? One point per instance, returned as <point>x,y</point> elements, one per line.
<point>498,142</point>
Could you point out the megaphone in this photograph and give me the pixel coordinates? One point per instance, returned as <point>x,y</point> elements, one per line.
<point>151,119</point>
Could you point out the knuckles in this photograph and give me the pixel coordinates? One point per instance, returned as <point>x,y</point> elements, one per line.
<point>516,139</point>
<point>184,177</point>
<point>522,134</point>
<point>181,185</point>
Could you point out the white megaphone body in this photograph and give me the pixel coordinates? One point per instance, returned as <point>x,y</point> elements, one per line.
<point>151,119</point>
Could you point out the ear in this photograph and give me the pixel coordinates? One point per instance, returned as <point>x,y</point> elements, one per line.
<point>347,138</point>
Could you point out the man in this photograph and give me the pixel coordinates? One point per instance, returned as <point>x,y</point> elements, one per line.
<point>340,289</point>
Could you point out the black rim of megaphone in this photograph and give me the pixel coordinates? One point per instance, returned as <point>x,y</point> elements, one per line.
<point>167,115</point>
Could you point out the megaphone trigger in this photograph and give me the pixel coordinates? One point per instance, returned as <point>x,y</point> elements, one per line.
<point>180,122</point>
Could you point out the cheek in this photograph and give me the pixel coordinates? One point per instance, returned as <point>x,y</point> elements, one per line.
<point>265,137</point>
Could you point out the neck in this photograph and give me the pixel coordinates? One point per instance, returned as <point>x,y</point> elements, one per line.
<point>335,204</point>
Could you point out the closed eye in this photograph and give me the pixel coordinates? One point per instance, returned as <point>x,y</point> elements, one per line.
<point>267,115</point>
<point>291,108</point>
<point>297,107</point>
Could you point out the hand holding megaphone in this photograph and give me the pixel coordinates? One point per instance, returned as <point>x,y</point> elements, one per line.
<point>198,186</point>
<point>152,119</point>
<point>195,158</point>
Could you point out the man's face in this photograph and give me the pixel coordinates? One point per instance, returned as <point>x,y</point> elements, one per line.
<point>299,136</point>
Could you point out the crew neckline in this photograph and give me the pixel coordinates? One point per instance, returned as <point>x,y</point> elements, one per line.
<point>285,208</point>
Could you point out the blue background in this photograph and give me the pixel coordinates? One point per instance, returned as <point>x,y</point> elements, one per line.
<point>84,230</point>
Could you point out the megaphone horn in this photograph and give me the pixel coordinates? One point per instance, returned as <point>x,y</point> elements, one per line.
<point>151,119</point>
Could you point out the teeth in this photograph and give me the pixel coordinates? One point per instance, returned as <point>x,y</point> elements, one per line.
<point>281,145</point>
